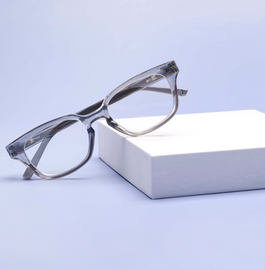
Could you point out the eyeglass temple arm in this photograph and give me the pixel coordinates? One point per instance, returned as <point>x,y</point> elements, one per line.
<point>128,91</point>
<point>44,138</point>
<point>180,91</point>
<point>36,158</point>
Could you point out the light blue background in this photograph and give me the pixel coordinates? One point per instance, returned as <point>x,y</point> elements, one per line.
<point>57,57</point>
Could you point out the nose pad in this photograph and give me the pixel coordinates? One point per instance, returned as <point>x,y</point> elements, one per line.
<point>91,135</point>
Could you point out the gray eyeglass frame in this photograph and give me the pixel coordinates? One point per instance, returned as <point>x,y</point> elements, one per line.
<point>44,133</point>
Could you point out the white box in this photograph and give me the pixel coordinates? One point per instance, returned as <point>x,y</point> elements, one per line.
<point>191,154</point>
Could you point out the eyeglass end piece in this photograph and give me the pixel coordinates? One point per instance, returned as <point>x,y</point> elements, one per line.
<point>182,92</point>
<point>12,151</point>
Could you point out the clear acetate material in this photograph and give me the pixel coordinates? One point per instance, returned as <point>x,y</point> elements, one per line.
<point>64,150</point>
<point>143,102</point>
<point>63,145</point>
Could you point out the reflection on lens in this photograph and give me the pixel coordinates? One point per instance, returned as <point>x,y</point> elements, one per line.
<point>148,97</point>
<point>67,146</point>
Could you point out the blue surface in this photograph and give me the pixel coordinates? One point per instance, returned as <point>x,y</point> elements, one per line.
<point>58,57</point>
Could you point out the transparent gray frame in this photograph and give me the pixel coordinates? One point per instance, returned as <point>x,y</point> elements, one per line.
<point>43,133</point>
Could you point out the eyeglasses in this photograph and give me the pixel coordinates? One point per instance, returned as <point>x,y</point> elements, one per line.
<point>61,146</point>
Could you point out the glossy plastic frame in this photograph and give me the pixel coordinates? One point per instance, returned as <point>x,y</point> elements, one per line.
<point>44,133</point>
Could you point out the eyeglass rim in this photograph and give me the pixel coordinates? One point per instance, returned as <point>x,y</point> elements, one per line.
<point>171,77</point>
<point>16,149</point>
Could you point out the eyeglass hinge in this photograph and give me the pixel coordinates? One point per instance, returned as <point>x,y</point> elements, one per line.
<point>182,92</point>
<point>171,68</point>
<point>12,150</point>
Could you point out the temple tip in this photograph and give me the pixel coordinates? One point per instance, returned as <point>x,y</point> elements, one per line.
<point>28,173</point>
